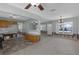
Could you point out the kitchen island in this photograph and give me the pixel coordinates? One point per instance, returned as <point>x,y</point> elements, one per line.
<point>32,36</point>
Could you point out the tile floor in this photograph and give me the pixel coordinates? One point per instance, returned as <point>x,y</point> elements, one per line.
<point>52,45</point>
<point>10,46</point>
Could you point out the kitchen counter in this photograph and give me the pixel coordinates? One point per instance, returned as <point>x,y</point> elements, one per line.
<point>33,33</point>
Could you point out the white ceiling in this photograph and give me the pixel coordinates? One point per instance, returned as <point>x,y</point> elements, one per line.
<point>62,9</point>
<point>9,11</point>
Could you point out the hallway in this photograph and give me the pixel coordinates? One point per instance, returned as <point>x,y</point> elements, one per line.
<point>53,45</point>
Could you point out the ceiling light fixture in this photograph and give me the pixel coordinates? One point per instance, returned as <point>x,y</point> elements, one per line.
<point>60,20</point>
<point>35,4</point>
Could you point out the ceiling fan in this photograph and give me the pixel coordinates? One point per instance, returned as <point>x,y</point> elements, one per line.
<point>35,5</point>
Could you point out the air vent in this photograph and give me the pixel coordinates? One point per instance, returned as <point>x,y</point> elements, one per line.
<point>53,10</point>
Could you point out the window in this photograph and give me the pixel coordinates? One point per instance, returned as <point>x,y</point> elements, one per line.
<point>68,26</point>
<point>64,27</point>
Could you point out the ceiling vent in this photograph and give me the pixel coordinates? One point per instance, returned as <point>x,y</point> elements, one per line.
<point>53,10</point>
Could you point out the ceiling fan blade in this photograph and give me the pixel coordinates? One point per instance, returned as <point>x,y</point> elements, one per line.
<point>40,7</point>
<point>28,6</point>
